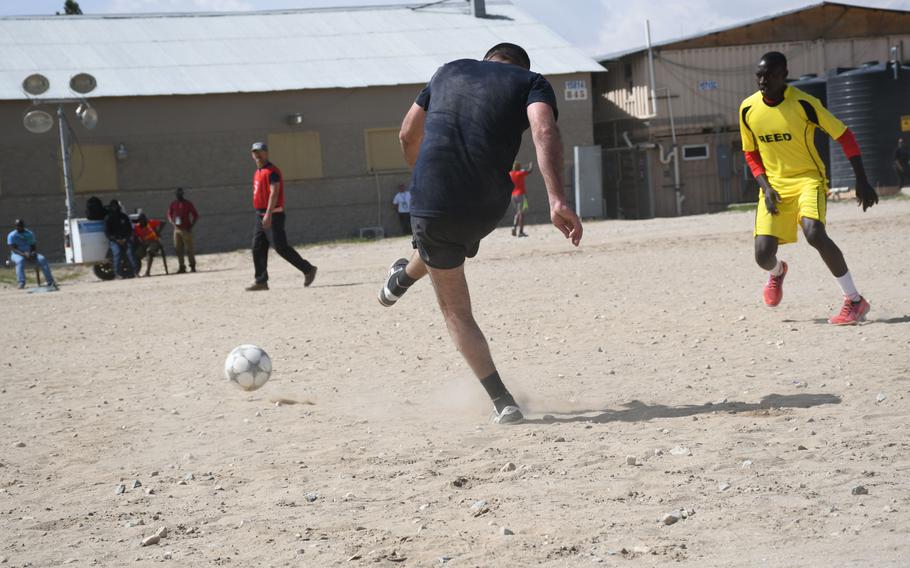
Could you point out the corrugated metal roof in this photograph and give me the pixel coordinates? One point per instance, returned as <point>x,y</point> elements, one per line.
<point>837,23</point>
<point>188,54</point>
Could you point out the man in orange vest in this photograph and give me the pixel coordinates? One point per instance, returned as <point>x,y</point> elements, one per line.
<point>268,200</point>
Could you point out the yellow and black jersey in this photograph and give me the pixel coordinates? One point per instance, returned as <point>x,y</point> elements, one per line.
<point>784,136</point>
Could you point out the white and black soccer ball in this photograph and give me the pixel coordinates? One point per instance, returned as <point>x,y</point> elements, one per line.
<point>248,367</point>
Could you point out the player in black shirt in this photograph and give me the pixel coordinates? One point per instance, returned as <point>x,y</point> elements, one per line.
<point>460,137</point>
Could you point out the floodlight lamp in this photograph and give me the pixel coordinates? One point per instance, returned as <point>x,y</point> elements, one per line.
<point>36,84</point>
<point>83,83</point>
<point>38,121</point>
<point>87,115</point>
<point>295,119</point>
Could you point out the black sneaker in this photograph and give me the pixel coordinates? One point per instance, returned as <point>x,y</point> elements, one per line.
<point>309,277</point>
<point>386,297</point>
<point>257,286</point>
<point>181,270</point>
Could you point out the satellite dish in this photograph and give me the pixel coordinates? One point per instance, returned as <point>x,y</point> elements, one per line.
<point>83,83</point>
<point>87,115</point>
<point>38,121</point>
<point>36,84</point>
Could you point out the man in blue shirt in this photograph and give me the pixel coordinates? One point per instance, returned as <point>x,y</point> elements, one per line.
<point>23,247</point>
<point>460,137</point>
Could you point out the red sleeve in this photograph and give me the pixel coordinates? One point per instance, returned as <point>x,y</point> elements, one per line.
<point>848,144</point>
<point>194,212</point>
<point>753,158</point>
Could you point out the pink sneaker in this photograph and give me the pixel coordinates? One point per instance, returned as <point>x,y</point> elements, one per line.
<point>774,289</point>
<point>851,312</point>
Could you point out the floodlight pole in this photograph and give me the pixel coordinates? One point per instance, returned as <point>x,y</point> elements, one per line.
<point>67,172</point>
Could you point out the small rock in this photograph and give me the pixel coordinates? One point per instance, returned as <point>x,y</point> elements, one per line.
<point>150,540</point>
<point>889,509</point>
<point>801,447</point>
<point>658,452</point>
<point>149,491</point>
<point>479,507</point>
<point>167,555</point>
<point>137,484</point>
<point>880,397</point>
<point>859,490</point>
<point>670,518</point>
<point>549,418</point>
<point>508,467</point>
<point>505,531</point>
<point>311,496</point>
<point>161,532</point>
<point>443,559</point>
<point>182,482</point>
<point>559,440</point>
<point>120,489</point>
<point>680,451</point>
<point>153,474</point>
<point>746,464</point>
<point>189,477</point>
<point>19,445</point>
<point>631,460</point>
<point>723,487</point>
<point>135,523</point>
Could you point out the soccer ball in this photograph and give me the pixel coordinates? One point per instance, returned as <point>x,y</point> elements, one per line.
<point>248,367</point>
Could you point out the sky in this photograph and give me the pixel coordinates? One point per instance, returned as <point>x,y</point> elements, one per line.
<point>597,27</point>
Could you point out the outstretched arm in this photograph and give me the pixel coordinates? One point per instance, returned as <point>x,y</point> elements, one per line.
<point>865,193</point>
<point>411,134</point>
<point>548,142</point>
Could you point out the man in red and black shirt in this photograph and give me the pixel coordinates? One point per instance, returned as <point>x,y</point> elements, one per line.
<point>268,200</point>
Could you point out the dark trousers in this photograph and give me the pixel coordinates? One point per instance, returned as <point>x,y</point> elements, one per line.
<point>903,175</point>
<point>405,220</point>
<point>279,241</point>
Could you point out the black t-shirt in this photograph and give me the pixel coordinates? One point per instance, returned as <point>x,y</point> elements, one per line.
<point>117,225</point>
<point>476,114</point>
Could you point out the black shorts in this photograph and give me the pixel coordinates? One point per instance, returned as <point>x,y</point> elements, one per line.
<point>445,244</point>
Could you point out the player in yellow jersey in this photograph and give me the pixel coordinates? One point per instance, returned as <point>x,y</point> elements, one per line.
<point>777,125</point>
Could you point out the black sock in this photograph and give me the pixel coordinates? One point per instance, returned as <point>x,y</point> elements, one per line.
<point>498,392</point>
<point>400,282</point>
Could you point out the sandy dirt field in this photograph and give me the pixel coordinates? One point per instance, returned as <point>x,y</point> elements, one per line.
<point>654,378</point>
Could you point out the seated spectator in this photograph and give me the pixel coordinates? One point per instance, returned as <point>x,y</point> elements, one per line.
<point>23,248</point>
<point>148,239</point>
<point>119,232</point>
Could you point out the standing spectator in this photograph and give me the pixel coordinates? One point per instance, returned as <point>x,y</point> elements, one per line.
<point>119,232</point>
<point>902,163</point>
<point>182,214</point>
<point>148,240</point>
<point>402,204</point>
<point>23,246</point>
<point>268,200</point>
<point>519,197</point>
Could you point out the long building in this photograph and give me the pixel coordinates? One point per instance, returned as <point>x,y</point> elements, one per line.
<point>180,97</point>
<point>702,80</point>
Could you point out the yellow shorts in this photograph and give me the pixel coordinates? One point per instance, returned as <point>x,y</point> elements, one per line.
<point>810,203</point>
